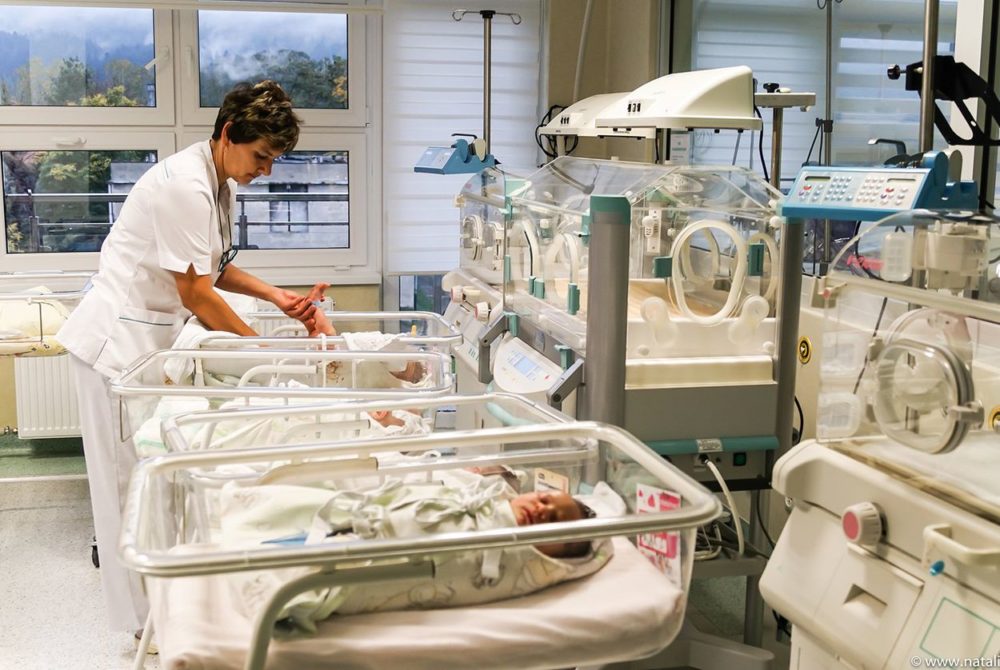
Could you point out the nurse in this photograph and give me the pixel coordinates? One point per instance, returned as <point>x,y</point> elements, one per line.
<point>170,245</point>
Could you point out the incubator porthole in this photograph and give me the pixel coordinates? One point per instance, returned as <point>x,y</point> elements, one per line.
<point>918,388</point>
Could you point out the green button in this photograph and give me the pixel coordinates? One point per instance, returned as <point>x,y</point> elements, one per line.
<point>740,459</point>
<point>756,260</point>
<point>662,266</point>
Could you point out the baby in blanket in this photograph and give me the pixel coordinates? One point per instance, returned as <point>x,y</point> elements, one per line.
<point>319,325</point>
<point>400,510</point>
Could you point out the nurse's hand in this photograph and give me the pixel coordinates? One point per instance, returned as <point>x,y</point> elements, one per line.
<point>297,306</point>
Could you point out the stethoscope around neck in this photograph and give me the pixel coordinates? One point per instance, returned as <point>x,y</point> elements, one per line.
<point>229,249</point>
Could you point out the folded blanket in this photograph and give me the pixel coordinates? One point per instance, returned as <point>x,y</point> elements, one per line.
<point>21,319</point>
<point>372,340</point>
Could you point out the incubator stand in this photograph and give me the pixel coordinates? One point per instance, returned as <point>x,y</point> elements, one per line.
<point>892,549</point>
<point>703,269</point>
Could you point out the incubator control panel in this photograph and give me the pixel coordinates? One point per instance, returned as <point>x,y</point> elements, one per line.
<point>520,369</point>
<point>887,190</point>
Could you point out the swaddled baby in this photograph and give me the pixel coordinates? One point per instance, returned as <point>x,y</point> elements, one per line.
<point>401,510</point>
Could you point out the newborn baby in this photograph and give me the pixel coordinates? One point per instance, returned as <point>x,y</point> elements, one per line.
<point>548,507</point>
<point>405,510</point>
<point>320,324</point>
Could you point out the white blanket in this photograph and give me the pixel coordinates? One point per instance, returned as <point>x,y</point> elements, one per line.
<point>267,431</point>
<point>393,509</point>
<point>20,319</point>
<point>628,610</point>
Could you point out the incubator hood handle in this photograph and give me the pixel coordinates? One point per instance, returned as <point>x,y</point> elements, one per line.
<point>938,537</point>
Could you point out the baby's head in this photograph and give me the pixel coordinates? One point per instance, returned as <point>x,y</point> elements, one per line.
<point>550,507</point>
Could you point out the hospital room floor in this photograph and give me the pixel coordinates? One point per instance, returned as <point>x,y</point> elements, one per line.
<point>52,608</point>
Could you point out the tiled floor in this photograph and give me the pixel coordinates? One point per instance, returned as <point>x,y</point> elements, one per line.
<point>31,458</point>
<point>52,610</point>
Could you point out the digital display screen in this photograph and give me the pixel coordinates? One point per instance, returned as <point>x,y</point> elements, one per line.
<point>817,177</point>
<point>524,365</point>
<point>908,180</point>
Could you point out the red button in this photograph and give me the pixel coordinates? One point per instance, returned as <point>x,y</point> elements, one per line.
<point>851,526</point>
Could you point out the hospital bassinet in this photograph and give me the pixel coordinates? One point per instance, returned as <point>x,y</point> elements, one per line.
<point>271,377</point>
<point>418,331</point>
<point>33,307</point>
<point>250,427</point>
<point>629,609</point>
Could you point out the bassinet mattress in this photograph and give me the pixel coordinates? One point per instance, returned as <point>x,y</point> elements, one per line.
<point>626,610</point>
<point>34,346</point>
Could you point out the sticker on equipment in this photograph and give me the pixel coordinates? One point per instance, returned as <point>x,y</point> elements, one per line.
<point>663,548</point>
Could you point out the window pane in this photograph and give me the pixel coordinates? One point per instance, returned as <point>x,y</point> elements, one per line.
<point>65,56</point>
<point>303,204</point>
<point>867,105</point>
<point>305,53</point>
<point>64,201</point>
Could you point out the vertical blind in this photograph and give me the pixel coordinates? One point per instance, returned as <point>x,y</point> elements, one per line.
<point>784,41</point>
<point>781,41</point>
<point>433,86</point>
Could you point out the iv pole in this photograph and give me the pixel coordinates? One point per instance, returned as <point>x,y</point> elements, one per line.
<point>487,15</point>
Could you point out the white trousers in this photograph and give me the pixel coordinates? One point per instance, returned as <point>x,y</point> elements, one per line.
<point>109,466</point>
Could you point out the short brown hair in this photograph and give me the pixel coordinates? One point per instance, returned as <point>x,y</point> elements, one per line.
<point>259,111</point>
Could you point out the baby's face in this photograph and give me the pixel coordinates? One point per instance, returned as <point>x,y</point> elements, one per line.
<point>545,507</point>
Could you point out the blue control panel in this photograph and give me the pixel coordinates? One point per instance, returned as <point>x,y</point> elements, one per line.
<point>870,193</point>
<point>887,190</point>
<point>459,158</point>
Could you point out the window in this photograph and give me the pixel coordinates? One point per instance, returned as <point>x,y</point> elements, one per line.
<point>307,52</point>
<point>318,58</point>
<point>422,293</point>
<point>57,64</point>
<point>105,80</point>
<point>784,41</point>
<point>61,193</point>
<point>868,38</point>
<point>66,201</point>
<point>313,204</point>
<point>304,204</point>
<point>781,41</point>
<point>286,210</point>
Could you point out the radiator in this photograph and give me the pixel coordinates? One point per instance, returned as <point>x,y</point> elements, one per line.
<point>46,398</point>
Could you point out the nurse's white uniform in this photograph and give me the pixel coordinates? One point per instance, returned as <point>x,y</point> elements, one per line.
<point>170,221</point>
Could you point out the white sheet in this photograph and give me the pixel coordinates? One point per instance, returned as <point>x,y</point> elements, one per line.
<point>626,610</point>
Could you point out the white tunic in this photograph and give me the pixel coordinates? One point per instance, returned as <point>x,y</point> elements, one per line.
<point>170,222</point>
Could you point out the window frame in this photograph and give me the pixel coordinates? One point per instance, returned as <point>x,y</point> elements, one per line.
<point>72,139</point>
<point>270,260</point>
<point>160,115</point>
<point>356,115</point>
